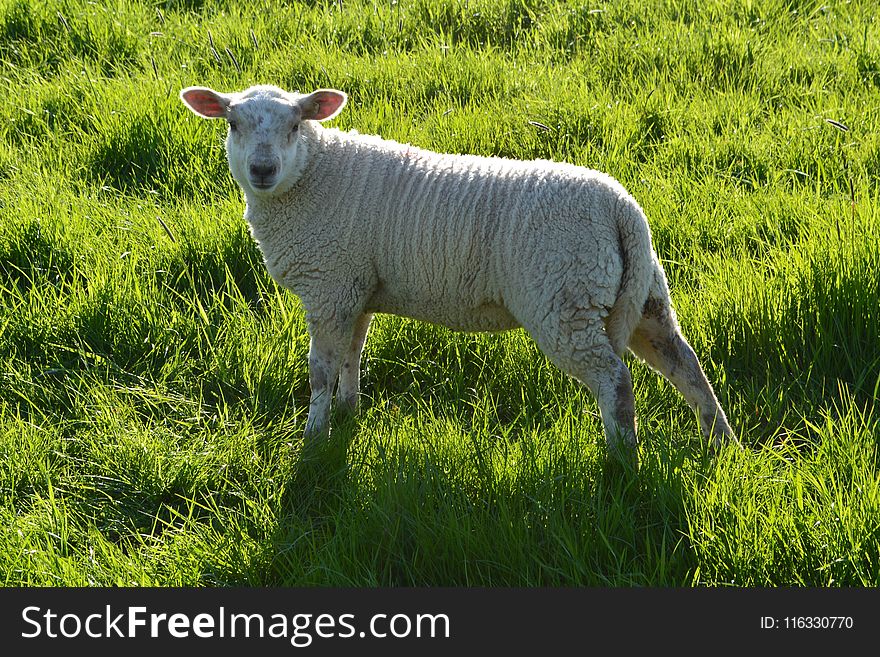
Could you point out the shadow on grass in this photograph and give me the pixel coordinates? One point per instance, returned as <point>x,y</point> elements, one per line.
<point>320,473</point>
<point>413,520</point>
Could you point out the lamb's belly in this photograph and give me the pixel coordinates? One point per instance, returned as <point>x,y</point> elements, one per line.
<point>482,317</point>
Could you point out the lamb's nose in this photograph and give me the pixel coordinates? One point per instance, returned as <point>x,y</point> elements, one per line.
<point>262,175</point>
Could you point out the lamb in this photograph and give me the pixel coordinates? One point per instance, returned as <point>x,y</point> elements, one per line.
<point>355,225</point>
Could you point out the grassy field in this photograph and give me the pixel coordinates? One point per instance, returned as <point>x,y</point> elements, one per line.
<point>153,382</point>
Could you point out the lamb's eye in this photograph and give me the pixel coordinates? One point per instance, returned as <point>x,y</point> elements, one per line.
<point>294,130</point>
<point>233,126</point>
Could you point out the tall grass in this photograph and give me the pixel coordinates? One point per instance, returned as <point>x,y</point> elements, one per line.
<point>153,381</point>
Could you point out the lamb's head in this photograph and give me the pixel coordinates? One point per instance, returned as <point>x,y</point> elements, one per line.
<point>263,141</point>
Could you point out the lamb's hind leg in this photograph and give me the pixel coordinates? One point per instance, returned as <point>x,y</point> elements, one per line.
<point>579,346</point>
<point>658,341</point>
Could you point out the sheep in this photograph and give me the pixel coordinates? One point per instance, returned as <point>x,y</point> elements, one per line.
<point>355,224</point>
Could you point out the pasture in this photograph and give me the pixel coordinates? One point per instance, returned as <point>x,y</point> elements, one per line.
<point>153,378</point>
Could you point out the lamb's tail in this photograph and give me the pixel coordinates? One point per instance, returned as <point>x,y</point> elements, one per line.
<point>634,237</point>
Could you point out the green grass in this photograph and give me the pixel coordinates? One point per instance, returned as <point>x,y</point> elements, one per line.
<point>153,379</point>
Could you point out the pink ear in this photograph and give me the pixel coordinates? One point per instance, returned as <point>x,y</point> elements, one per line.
<point>323,104</point>
<point>205,102</point>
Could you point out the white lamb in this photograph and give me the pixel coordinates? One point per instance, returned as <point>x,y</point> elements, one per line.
<point>356,224</point>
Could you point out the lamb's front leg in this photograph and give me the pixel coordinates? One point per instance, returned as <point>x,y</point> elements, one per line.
<point>328,346</point>
<point>350,374</point>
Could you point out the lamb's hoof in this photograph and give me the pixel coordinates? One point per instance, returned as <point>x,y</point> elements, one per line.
<point>625,455</point>
<point>716,440</point>
<point>347,407</point>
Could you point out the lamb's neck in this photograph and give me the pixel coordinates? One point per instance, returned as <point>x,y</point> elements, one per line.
<point>264,213</point>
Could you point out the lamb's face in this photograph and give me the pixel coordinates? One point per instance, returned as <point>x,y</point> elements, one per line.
<point>263,139</point>
<point>263,144</point>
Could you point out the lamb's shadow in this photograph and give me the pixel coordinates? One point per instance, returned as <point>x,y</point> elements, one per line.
<point>576,522</point>
<point>318,478</point>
